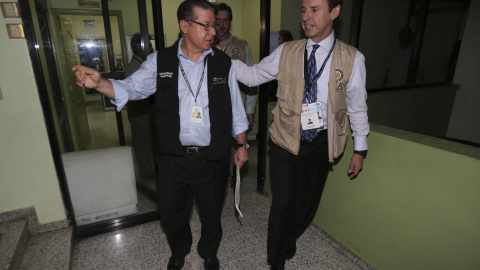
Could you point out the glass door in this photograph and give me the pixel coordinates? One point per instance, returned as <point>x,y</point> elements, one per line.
<point>101,37</point>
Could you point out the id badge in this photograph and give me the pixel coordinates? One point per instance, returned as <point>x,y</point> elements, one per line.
<point>309,116</point>
<point>197,115</point>
<point>318,107</point>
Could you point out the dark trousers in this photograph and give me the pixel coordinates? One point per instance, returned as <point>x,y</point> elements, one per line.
<point>297,184</point>
<point>181,179</point>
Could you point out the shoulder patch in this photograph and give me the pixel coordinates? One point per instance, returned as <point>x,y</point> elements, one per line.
<point>338,74</point>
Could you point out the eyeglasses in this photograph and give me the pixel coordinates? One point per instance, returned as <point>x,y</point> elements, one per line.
<point>207,27</point>
<point>219,21</point>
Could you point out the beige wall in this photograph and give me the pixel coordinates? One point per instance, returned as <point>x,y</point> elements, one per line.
<point>27,172</point>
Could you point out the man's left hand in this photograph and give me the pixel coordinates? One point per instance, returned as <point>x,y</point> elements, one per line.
<point>250,118</point>
<point>356,165</point>
<point>241,156</point>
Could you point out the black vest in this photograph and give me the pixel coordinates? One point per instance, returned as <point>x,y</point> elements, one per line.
<point>220,104</point>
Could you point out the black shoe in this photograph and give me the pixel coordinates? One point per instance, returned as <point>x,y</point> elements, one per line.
<point>291,252</point>
<point>175,263</point>
<point>211,263</point>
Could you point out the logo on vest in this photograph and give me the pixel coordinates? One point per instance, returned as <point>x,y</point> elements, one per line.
<point>165,74</point>
<point>338,74</point>
<point>218,80</point>
<point>339,87</point>
<point>235,52</point>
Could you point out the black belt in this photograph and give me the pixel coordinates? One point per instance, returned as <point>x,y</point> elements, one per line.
<point>318,135</point>
<point>193,149</point>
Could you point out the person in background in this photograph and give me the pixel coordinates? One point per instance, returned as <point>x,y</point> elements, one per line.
<point>284,36</point>
<point>315,75</point>
<point>139,116</point>
<point>189,77</point>
<point>236,48</point>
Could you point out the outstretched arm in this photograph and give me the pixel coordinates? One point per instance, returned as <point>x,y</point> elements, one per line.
<point>262,72</point>
<point>87,77</point>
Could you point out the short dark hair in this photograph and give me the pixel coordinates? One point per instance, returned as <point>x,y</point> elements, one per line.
<point>223,6</point>
<point>186,10</point>
<point>286,35</point>
<point>333,3</point>
<point>136,42</point>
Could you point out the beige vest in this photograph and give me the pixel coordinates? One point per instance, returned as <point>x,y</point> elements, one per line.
<point>236,49</point>
<point>285,129</point>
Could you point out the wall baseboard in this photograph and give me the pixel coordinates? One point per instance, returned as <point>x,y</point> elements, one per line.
<point>33,225</point>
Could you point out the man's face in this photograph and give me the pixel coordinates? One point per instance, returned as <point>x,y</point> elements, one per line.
<point>317,21</point>
<point>224,21</point>
<point>196,34</point>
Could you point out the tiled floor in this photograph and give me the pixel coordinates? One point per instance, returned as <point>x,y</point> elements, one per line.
<point>243,245</point>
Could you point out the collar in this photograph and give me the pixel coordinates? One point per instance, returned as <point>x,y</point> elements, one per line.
<point>325,44</point>
<point>230,37</point>
<point>182,55</point>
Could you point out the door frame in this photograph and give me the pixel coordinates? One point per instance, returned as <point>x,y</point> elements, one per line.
<point>33,49</point>
<point>25,9</point>
<point>123,222</point>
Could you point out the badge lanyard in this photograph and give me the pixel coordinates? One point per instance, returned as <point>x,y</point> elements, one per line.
<point>305,70</point>
<point>186,80</point>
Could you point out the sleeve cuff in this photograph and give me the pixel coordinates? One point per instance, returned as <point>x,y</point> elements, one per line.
<point>360,143</point>
<point>121,95</point>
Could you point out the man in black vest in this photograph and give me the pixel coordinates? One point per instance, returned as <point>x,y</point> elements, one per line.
<point>188,79</point>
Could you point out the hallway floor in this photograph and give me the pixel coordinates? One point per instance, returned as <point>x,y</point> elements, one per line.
<point>243,244</point>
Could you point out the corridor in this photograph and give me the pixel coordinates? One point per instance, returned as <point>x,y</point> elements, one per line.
<point>243,245</point>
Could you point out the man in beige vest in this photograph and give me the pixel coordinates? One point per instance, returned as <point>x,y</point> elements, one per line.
<point>238,49</point>
<point>318,76</point>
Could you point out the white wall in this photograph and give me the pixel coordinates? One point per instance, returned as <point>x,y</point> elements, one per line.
<point>465,119</point>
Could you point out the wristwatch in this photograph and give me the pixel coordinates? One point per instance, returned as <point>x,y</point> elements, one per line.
<point>244,145</point>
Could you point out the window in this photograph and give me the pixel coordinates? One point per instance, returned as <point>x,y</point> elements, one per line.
<point>411,42</point>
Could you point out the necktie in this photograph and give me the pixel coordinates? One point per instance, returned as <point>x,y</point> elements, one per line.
<point>310,95</point>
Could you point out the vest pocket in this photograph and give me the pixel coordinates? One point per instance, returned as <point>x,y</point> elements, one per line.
<point>283,79</point>
<point>285,117</point>
<point>341,122</point>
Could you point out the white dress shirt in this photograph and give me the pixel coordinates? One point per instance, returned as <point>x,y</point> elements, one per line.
<point>143,83</point>
<point>356,92</point>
